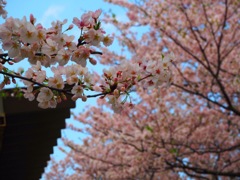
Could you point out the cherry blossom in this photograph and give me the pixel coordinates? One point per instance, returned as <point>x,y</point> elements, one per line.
<point>183,122</point>
<point>50,47</point>
<point>46,98</point>
<point>3,12</point>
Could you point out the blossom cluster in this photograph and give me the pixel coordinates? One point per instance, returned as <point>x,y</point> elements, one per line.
<point>117,84</point>
<point>26,39</point>
<point>3,12</point>
<point>119,80</point>
<point>53,48</point>
<point>53,88</point>
<point>46,47</point>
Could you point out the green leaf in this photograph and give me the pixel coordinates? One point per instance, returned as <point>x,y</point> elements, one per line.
<point>149,128</point>
<point>113,15</point>
<point>3,94</point>
<point>97,26</point>
<point>174,151</point>
<point>163,56</point>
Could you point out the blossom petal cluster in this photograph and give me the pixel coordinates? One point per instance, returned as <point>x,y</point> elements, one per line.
<point>3,12</point>
<point>117,84</point>
<point>53,89</point>
<point>26,39</point>
<point>67,57</point>
<point>120,80</point>
<point>190,130</point>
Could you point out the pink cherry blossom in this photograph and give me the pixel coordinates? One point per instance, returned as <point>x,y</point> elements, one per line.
<point>96,14</point>
<point>3,12</point>
<point>46,98</point>
<point>56,82</point>
<point>107,41</point>
<point>45,94</point>
<point>50,47</point>
<point>40,76</point>
<point>77,91</point>
<point>13,48</point>
<point>28,93</point>
<point>63,56</point>
<point>28,33</point>
<point>85,21</point>
<point>94,37</point>
<point>183,121</point>
<point>80,55</point>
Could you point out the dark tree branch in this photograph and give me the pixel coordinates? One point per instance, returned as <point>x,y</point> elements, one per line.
<point>34,82</point>
<point>230,108</point>
<point>182,165</point>
<point>219,60</point>
<point>66,91</point>
<point>196,38</point>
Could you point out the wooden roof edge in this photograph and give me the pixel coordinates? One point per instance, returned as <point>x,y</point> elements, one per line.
<point>12,105</point>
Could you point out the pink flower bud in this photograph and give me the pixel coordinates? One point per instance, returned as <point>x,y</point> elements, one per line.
<point>70,27</point>
<point>59,99</point>
<point>10,62</point>
<point>13,81</point>
<point>32,19</point>
<point>63,96</point>
<point>92,61</point>
<point>115,79</point>
<point>119,73</point>
<point>84,98</point>
<point>123,89</point>
<point>96,14</point>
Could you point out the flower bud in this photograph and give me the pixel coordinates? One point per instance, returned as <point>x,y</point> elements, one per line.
<point>32,19</point>
<point>92,61</point>
<point>10,62</point>
<point>116,93</point>
<point>84,98</point>
<point>59,99</point>
<point>70,27</point>
<point>13,80</point>
<point>123,89</point>
<point>63,97</point>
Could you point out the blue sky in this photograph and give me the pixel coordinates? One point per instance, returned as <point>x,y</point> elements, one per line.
<point>55,8</point>
<point>46,11</point>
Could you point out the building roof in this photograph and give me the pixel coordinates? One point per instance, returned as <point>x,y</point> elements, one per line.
<point>28,136</point>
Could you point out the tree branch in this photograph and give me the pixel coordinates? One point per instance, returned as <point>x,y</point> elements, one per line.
<point>230,108</point>
<point>182,165</point>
